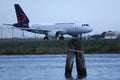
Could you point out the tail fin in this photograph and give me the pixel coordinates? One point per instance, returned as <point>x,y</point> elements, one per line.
<point>21,17</point>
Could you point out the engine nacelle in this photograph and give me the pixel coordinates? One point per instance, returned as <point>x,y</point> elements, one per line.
<point>53,34</point>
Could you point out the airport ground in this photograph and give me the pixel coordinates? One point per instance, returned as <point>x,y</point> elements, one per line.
<point>36,46</point>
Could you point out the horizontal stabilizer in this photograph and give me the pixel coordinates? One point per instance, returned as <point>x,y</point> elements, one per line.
<point>8,24</point>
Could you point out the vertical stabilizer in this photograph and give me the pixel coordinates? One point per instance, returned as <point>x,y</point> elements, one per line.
<point>21,17</point>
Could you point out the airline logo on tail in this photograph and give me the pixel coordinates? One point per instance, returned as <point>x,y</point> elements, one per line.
<point>21,17</point>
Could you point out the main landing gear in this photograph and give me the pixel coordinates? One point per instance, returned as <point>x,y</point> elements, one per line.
<point>57,37</point>
<point>46,38</point>
<point>61,37</point>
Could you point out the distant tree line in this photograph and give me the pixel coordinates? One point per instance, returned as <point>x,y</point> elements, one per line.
<point>99,36</point>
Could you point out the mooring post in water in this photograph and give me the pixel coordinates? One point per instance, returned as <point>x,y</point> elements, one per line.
<point>75,48</point>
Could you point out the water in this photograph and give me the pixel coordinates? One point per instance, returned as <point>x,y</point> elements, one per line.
<point>52,67</point>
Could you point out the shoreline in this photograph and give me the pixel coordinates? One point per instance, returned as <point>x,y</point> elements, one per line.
<point>58,53</point>
<point>21,47</point>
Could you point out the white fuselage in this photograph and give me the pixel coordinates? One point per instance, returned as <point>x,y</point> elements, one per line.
<point>63,28</point>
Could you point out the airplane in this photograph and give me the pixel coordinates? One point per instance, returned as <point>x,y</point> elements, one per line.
<point>56,30</point>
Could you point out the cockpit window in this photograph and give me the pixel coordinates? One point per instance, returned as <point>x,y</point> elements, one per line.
<point>85,24</point>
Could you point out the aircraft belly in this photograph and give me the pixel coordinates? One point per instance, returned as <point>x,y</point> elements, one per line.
<point>35,31</point>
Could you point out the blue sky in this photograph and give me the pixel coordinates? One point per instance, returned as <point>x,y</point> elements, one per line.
<point>102,15</point>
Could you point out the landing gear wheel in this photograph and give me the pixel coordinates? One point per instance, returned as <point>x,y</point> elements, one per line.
<point>46,38</point>
<point>61,38</point>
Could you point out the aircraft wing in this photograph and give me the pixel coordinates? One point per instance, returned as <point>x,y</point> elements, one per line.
<point>40,31</point>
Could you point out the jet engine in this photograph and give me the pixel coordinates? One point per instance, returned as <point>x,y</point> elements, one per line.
<point>53,34</point>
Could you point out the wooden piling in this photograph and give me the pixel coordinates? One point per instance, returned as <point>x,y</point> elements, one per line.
<point>75,48</point>
<point>69,65</point>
